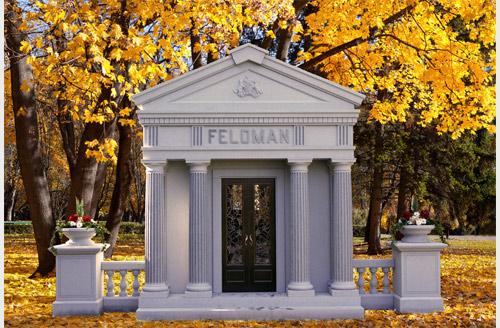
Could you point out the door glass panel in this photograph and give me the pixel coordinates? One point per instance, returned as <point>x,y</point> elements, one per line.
<point>263,217</point>
<point>234,224</point>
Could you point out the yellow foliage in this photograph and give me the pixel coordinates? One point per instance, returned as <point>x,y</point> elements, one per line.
<point>413,55</point>
<point>433,63</point>
<point>25,47</point>
<point>468,288</point>
<point>102,151</point>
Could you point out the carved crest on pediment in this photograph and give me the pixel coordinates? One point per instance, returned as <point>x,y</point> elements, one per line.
<point>247,87</point>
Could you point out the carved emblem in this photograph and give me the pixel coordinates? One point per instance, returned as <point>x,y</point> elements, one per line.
<point>247,87</point>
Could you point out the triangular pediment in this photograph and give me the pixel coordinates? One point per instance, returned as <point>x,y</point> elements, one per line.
<point>247,75</point>
<point>247,84</point>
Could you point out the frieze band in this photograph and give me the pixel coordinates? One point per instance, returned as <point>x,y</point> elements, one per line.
<point>164,121</point>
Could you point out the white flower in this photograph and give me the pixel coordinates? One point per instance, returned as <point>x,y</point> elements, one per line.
<point>420,221</point>
<point>92,220</point>
<point>72,223</point>
<point>79,224</point>
<point>399,221</point>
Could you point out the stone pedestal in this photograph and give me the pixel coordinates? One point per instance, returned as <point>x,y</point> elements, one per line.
<point>417,279</point>
<point>156,287</point>
<point>79,280</point>
<point>199,284</point>
<point>299,284</point>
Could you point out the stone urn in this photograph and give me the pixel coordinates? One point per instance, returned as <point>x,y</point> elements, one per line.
<point>416,233</point>
<point>79,236</point>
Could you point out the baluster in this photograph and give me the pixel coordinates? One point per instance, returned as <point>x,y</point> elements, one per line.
<point>373,281</point>
<point>385,282</point>
<point>111,285</point>
<point>361,280</point>
<point>123,284</point>
<point>135,285</point>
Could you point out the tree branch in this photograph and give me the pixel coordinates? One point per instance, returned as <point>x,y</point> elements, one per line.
<point>357,41</point>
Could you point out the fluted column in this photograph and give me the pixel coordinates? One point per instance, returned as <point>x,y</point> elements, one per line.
<point>299,284</point>
<point>155,230</point>
<point>341,227</point>
<point>199,285</point>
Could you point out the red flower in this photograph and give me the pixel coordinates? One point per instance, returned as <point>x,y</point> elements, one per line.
<point>407,214</point>
<point>86,218</point>
<point>73,217</point>
<point>425,214</point>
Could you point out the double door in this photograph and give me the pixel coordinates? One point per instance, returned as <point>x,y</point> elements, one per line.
<point>248,235</point>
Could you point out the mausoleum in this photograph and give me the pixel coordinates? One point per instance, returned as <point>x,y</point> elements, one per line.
<point>248,202</point>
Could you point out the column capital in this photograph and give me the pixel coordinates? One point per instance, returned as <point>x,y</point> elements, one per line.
<point>198,166</point>
<point>344,166</point>
<point>299,165</point>
<point>155,166</point>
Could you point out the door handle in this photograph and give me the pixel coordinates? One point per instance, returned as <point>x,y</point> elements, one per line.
<point>248,238</point>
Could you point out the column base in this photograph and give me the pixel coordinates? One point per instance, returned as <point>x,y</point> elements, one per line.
<point>417,304</point>
<point>300,289</point>
<point>346,285</point>
<point>153,296</point>
<point>345,293</point>
<point>72,308</point>
<point>198,290</point>
<point>155,289</point>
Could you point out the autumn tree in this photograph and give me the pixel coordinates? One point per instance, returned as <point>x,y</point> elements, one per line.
<point>27,138</point>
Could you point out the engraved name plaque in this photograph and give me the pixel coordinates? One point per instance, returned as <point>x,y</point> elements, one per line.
<point>249,136</point>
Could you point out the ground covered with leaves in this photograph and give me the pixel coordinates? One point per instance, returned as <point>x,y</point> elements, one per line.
<point>468,288</point>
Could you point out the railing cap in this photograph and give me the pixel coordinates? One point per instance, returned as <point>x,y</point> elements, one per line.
<point>373,263</point>
<point>122,265</point>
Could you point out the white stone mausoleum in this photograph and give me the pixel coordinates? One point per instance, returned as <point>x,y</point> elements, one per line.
<point>249,207</point>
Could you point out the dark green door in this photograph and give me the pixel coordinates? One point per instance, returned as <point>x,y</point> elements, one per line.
<point>248,235</point>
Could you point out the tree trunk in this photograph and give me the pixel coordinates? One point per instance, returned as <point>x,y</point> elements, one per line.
<point>88,174</point>
<point>285,40</point>
<point>97,193</point>
<point>121,190</point>
<point>195,50</point>
<point>211,57</point>
<point>28,144</point>
<point>11,204</point>
<point>375,212</point>
<point>402,191</point>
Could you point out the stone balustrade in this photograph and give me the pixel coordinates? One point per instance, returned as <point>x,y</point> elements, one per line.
<point>380,295</point>
<point>124,301</point>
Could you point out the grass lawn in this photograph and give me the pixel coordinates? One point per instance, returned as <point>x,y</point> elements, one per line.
<point>468,288</point>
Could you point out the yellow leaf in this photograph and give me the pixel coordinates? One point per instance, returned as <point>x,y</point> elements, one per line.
<point>271,34</point>
<point>25,47</point>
